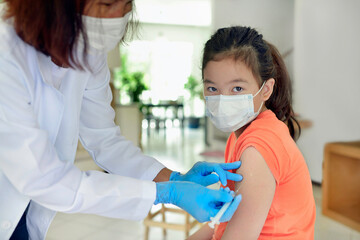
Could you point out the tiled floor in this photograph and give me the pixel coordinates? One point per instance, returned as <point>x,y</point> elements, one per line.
<point>177,152</point>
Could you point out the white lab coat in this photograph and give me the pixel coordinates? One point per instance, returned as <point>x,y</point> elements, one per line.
<point>39,131</point>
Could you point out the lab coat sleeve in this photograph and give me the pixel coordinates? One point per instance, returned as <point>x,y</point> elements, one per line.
<point>30,162</point>
<point>103,139</point>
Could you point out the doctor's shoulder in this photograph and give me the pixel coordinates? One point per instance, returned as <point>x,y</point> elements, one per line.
<point>11,44</point>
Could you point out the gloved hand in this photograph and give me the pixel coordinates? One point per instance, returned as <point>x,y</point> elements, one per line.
<point>201,173</point>
<point>199,201</point>
<point>232,208</point>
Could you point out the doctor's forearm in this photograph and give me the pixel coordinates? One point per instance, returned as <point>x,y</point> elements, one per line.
<point>163,175</point>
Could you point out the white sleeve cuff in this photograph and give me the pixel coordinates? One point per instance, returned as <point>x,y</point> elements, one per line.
<point>152,171</point>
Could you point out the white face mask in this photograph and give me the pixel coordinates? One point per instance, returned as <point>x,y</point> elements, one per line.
<point>231,112</point>
<point>104,33</point>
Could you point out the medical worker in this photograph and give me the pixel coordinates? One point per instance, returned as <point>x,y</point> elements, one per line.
<point>54,90</point>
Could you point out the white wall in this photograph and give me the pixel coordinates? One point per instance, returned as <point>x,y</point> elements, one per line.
<point>272,18</point>
<point>327,74</point>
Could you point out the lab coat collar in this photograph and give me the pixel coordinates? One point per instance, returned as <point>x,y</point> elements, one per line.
<point>44,63</point>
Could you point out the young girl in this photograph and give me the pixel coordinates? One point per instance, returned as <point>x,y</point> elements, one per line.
<point>248,93</point>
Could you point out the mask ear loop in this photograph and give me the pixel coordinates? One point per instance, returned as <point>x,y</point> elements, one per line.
<point>259,89</point>
<point>262,103</point>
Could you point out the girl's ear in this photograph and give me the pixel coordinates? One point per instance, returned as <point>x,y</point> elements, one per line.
<point>268,89</point>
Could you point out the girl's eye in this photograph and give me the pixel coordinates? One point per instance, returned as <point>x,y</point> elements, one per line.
<point>211,89</point>
<point>237,89</point>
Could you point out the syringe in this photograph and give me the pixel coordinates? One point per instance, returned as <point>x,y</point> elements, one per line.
<point>216,220</point>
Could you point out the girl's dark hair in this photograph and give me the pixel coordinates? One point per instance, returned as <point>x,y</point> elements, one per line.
<point>247,45</point>
<point>53,27</point>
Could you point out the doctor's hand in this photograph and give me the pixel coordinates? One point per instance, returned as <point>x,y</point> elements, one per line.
<point>199,201</point>
<point>232,207</point>
<point>203,173</point>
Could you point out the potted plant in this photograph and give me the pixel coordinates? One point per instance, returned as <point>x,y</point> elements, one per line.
<point>132,83</point>
<point>195,90</point>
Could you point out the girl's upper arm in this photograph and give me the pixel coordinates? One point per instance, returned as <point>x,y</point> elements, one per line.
<point>257,189</point>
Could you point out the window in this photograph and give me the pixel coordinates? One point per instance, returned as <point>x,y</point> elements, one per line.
<point>166,64</point>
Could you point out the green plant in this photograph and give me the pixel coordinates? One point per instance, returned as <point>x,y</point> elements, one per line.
<point>130,82</point>
<point>194,87</point>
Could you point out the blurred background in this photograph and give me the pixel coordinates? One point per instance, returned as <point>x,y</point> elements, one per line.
<point>319,41</point>
<point>156,82</point>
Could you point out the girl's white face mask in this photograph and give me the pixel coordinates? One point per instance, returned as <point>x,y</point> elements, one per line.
<point>104,33</point>
<point>231,112</point>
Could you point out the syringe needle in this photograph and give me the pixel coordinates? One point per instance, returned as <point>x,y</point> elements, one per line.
<point>216,220</point>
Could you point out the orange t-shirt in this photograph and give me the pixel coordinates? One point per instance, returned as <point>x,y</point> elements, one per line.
<point>292,212</point>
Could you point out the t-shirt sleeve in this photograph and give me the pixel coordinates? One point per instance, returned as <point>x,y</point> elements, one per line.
<point>266,145</point>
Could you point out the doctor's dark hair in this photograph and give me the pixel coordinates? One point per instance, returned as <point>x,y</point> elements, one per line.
<point>247,45</point>
<point>52,27</point>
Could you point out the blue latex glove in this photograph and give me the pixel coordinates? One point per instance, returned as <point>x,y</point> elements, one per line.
<point>199,201</point>
<point>202,173</point>
<point>232,208</point>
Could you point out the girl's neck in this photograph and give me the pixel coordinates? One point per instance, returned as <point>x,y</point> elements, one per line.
<point>240,131</point>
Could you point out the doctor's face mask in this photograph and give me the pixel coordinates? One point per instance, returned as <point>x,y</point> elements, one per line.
<point>105,33</point>
<point>105,23</point>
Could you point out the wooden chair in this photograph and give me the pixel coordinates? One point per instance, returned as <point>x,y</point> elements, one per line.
<point>150,222</point>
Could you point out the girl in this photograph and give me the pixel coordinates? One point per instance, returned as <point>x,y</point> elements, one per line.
<point>248,93</point>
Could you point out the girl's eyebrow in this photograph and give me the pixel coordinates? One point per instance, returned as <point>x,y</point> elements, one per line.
<point>233,81</point>
<point>208,81</point>
<point>239,80</point>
